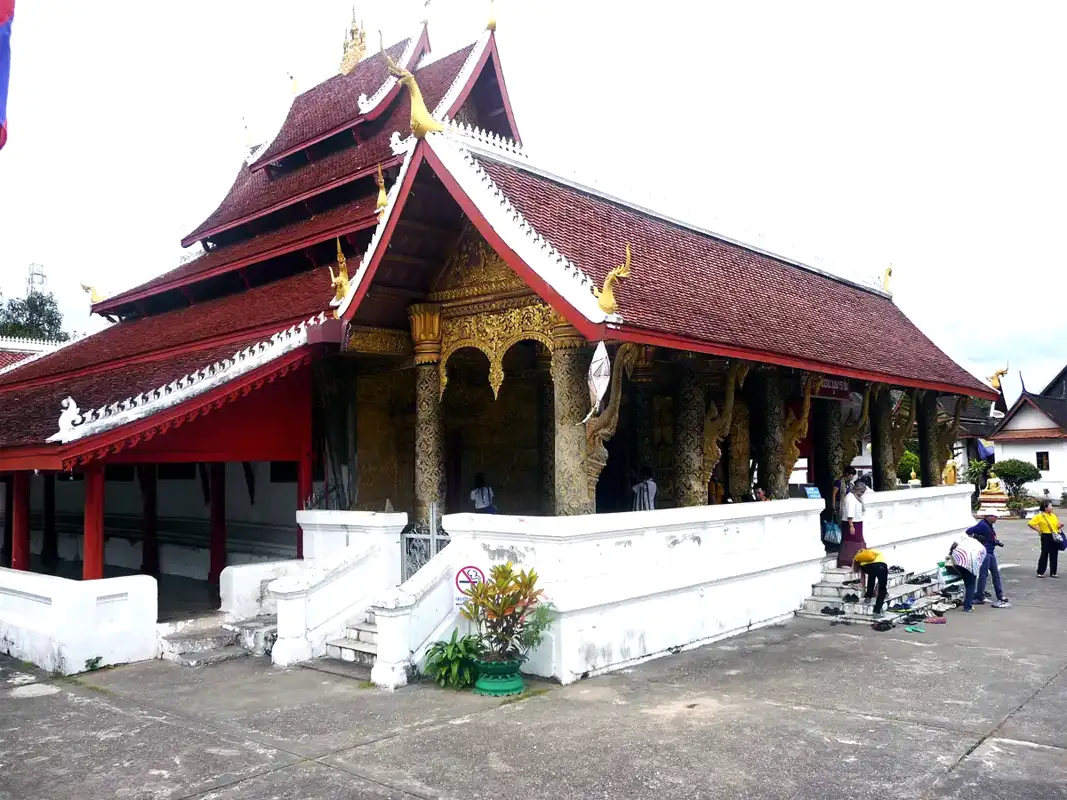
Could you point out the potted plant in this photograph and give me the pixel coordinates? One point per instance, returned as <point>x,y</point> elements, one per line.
<point>511,618</point>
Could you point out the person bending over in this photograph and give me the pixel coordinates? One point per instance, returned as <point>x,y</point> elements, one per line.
<point>967,556</point>
<point>872,564</point>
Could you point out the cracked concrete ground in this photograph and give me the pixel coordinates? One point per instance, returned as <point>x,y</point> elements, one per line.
<point>974,708</point>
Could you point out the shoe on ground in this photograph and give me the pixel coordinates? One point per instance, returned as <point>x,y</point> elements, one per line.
<point>1001,604</point>
<point>1054,576</point>
<point>979,602</point>
<point>1041,574</point>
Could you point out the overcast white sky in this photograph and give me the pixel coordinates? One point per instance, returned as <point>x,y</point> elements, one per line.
<point>848,135</point>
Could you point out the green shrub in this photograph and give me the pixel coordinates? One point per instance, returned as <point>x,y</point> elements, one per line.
<point>1015,474</point>
<point>909,462</point>
<point>451,663</point>
<point>1063,499</point>
<point>976,471</point>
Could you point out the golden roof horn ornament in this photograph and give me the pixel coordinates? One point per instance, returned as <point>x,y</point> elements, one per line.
<point>605,298</point>
<point>491,25</point>
<point>994,379</point>
<point>383,198</point>
<point>885,278</point>
<point>339,281</point>
<point>355,46</point>
<point>94,296</point>
<point>422,122</point>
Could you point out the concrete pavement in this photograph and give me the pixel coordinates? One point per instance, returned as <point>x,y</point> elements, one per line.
<point>973,708</point>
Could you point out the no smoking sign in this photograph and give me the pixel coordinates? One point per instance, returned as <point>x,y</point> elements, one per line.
<point>466,578</point>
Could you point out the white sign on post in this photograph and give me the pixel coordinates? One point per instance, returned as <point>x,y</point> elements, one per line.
<point>465,579</point>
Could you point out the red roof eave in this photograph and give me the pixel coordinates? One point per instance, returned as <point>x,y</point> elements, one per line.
<point>420,48</point>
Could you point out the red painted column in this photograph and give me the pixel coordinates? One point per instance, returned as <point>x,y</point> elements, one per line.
<point>303,492</point>
<point>150,538</point>
<point>218,522</point>
<point>20,521</point>
<point>5,546</point>
<point>93,548</point>
<point>50,543</point>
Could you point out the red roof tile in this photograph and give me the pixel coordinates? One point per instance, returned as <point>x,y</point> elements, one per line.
<point>331,104</point>
<point>223,259</point>
<point>8,358</point>
<point>695,286</point>
<point>252,192</point>
<point>299,296</point>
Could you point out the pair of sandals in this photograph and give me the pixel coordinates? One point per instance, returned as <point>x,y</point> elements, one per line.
<point>851,598</point>
<point>833,612</point>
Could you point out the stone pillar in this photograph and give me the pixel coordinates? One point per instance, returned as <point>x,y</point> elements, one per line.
<point>547,421</point>
<point>570,404</point>
<point>150,537</point>
<point>740,451</point>
<point>689,490</point>
<point>826,445</point>
<point>429,424</point>
<point>50,542</point>
<point>93,545</point>
<point>769,448</point>
<point>641,397</point>
<point>885,471</point>
<point>20,521</point>
<point>927,422</point>
<point>218,522</point>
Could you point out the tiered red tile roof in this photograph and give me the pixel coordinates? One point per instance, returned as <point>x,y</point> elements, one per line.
<point>14,349</point>
<point>254,192</point>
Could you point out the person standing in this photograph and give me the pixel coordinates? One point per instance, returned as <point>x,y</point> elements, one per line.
<point>967,556</point>
<point>852,525</point>
<point>482,496</point>
<point>1047,524</point>
<point>983,532</point>
<point>872,564</point>
<point>842,486</point>
<point>645,491</point>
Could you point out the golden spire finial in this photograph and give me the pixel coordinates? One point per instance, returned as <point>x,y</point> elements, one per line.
<point>491,25</point>
<point>355,46</point>
<point>339,281</point>
<point>383,198</point>
<point>886,277</point>
<point>605,298</point>
<point>94,296</point>
<point>422,122</point>
<point>994,379</point>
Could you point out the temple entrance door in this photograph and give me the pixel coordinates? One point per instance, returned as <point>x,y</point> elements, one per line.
<point>455,494</point>
<point>613,490</point>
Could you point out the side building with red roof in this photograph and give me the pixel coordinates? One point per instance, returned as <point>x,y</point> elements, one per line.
<point>392,345</point>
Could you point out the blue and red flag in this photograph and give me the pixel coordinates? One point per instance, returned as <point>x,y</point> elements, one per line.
<point>7,13</point>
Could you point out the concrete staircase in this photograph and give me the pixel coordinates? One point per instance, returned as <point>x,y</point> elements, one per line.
<point>206,643</point>
<point>831,590</point>
<point>358,648</point>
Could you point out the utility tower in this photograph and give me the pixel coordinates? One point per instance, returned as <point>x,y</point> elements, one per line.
<point>35,280</point>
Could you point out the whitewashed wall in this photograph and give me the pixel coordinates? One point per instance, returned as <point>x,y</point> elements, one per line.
<point>914,528</point>
<point>70,626</point>
<point>1055,479</point>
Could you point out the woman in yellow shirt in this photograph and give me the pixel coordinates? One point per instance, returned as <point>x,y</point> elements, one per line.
<point>1048,526</point>
<point>872,564</point>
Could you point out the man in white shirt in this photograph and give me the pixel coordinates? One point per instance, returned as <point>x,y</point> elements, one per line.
<point>482,496</point>
<point>645,491</point>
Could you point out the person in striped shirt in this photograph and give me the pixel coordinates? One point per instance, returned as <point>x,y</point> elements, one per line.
<point>966,557</point>
<point>872,564</point>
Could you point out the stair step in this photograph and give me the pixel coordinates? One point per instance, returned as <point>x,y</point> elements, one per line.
<point>345,669</point>
<point>866,617</point>
<point>362,632</point>
<point>203,658</point>
<point>903,592</point>
<point>256,634</point>
<point>352,650</point>
<point>197,641</point>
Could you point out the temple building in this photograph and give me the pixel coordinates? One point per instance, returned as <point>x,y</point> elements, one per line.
<point>1034,429</point>
<point>395,297</point>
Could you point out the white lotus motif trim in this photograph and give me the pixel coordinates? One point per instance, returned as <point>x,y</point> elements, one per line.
<point>452,95</point>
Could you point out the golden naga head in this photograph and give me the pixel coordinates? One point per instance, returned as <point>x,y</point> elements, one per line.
<point>422,122</point>
<point>994,379</point>
<point>383,198</point>
<point>395,69</point>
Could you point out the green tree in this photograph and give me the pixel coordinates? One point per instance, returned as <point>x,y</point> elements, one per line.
<point>909,462</point>
<point>1015,474</point>
<point>35,317</point>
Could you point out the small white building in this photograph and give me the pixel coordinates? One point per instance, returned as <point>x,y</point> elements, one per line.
<point>1035,430</point>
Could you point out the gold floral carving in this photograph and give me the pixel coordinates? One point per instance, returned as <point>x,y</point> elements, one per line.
<point>717,424</point>
<point>740,452</point>
<point>429,443</point>
<point>796,428</point>
<point>600,428</point>
<point>426,332</point>
<point>689,421</point>
<point>852,430</point>
<point>379,341</point>
<point>571,402</point>
<point>493,333</point>
<point>644,366</point>
<point>475,270</point>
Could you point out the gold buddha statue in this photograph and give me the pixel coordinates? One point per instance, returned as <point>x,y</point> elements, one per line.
<point>949,473</point>
<point>993,485</point>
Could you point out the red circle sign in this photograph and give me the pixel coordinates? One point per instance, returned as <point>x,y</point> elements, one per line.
<point>467,577</point>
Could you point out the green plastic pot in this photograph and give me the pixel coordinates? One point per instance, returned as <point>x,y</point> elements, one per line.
<point>499,678</point>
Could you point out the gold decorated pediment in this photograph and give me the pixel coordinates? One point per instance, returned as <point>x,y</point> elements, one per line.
<point>379,341</point>
<point>474,269</point>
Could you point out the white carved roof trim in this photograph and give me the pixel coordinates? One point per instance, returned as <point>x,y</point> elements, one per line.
<point>510,152</point>
<point>452,95</point>
<point>26,344</point>
<point>75,424</point>
<point>53,348</point>
<point>406,60</point>
<point>536,251</point>
<point>399,146</point>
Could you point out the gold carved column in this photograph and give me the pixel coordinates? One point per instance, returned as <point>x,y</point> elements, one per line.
<point>570,403</point>
<point>429,425</point>
<point>689,490</point>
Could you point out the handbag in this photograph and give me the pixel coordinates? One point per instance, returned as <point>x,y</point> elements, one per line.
<point>1060,541</point>
<point>831,532</point>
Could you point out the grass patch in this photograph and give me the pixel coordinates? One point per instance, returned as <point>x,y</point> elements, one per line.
<point>74,680</point>
<point>526,695</point>
<point>366,685</point>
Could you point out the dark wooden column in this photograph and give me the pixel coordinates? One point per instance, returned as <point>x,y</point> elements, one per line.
<point>882,465</point>
<point>5,546</point>
<point>150,534</point>
<point>20,521</point>
<point>826,446</point>
<point>93,545</point>
<point>770,407</point>
<point>927,423</point>
<point>49,540</point>
<point>218,522</point>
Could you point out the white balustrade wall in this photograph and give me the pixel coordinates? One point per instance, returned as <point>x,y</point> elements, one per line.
<point>67,626</point>
<point>914,528</point>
